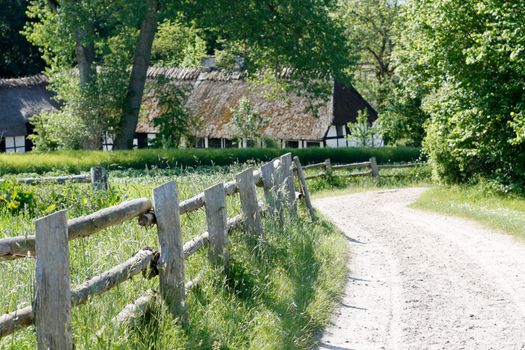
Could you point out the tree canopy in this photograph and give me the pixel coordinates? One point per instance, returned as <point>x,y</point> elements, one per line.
<point>18,57</point>
<point>467,58</point>
<point>112,44</point>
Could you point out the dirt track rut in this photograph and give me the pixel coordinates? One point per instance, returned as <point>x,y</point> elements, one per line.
<point>419,280</point>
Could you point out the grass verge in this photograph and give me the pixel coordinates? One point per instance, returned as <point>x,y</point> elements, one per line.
<point>74,162</point>
<point>278,292</point>
<point>498,211</point>
<point>389,178</point>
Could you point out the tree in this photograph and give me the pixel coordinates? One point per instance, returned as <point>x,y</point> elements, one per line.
<point>292,33</point>
<point>67,33</point>
<point>247,123</point>
<point>174,121</point>
<point>362,132</point>
<point>468,57</point>
<point>178,45</point>
<point>18,57</point>
<point>372,26</point>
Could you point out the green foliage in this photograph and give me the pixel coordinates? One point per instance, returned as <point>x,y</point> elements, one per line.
<point>280,290</point>
<point>92,109</point>
<point>75,162</point>
<point>224,59</point>
<point>14,198</point>
<point>483,202</point>
<point>361,132</point>
<point>18,57</point>
<point>35,201</point>
<point>246,122</point>
<point>174,120</point>
<point>372,26</point>
<point>177,45</point>
<point>468,58</point>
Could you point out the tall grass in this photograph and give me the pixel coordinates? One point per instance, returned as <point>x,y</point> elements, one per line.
<point>78,161</point>
<point>277,293</point>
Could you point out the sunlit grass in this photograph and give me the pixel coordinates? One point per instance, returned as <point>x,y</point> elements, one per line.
<point>276,295</point>
<point>389,178</point>
<point>75,162</point>
<point>502,212</point>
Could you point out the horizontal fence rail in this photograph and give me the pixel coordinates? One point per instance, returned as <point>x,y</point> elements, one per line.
<point>97,177</point>
<point>371,164</point>
<point>57,298</point>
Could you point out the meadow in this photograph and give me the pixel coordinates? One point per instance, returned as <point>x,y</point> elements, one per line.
<point>74,162</point>
<point>277,293</point>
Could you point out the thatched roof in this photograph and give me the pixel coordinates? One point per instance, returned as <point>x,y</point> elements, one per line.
<point>19,100</point>
<point>212,95</point>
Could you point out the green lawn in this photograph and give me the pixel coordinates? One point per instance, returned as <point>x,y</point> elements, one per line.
<point>497,211</point>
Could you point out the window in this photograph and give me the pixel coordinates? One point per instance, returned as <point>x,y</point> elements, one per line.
<point>313,144</point>
<point>214,143</point>
<point>15,144</point>
<point>228,143</point>
<point>142,140</point>
<point>151,139</point>
<point>292,144</point>
<point>107,142</point>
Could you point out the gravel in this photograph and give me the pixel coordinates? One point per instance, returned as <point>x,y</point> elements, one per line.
<point>419,280</point>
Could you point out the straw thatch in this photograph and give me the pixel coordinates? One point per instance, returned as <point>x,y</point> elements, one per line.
<point>19,100</point>
<point>212,95</point>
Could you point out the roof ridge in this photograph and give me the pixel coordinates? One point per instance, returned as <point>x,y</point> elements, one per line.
<point>38,79</point>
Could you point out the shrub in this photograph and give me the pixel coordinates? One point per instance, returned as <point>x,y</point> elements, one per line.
<point>75,162</point>
<point>13,198</point>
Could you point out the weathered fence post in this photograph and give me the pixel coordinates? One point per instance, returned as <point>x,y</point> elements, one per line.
<point>268,177</point>
<point>374,167</point>
<point>215,202</point>
<point>287,178</point>
<point>171,261</point>
<point>52,305</point>
<point>304,188</point>
<point>99,178</point>
<point>328,167</point>
<point>248,196</point>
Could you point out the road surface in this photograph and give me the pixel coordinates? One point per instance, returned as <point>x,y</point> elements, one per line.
<point>420,280</point>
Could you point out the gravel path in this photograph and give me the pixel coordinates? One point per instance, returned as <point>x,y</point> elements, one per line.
<point>419,280</point>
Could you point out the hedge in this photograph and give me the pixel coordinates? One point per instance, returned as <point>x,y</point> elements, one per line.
<point>79,161</point>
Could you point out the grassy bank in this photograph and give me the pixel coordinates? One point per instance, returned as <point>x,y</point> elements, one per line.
<point>78,161</point>
<point>389,178</point>
<point>495,210</point>
<point>277,294</point>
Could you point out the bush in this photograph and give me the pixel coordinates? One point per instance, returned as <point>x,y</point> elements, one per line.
<point>74,162</point>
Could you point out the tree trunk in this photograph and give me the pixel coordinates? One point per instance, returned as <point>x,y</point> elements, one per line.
<point>85,52</point>
<point>130,115</point>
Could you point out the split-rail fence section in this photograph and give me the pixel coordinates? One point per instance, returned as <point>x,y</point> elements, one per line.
<point>53,296</point>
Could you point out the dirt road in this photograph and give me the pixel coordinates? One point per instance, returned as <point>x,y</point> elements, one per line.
<point>419,280</point>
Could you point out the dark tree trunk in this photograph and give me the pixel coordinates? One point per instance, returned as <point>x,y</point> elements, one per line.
<point>130,115</point>
<point>85,52</point>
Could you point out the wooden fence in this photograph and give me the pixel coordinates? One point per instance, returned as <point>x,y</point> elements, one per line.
<point>54,297</point>
<point>97,177</point>
<point>329,169</point>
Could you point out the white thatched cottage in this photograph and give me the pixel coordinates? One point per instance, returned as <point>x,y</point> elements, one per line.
<point>20,99</point>
<point>212,94</point>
